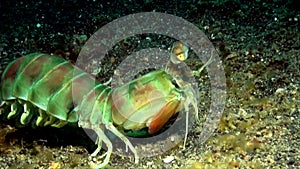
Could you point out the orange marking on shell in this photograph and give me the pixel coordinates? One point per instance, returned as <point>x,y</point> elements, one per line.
<point>162,117</point>
<point>34,68</point>
<point>141,94</point>
<point>13,69</point>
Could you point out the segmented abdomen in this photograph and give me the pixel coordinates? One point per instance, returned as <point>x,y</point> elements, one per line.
<point>53,85</point>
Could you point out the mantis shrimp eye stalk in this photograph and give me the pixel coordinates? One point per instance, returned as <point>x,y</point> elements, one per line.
<point>182,75</point>
<point>179,52</point>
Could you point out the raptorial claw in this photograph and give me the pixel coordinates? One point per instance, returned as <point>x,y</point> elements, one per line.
<point>162,117</point>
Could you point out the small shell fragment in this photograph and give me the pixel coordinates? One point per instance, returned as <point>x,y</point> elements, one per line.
<point>168,159</point>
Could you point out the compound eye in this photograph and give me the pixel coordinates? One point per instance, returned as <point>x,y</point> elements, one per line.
<point>179,52</point>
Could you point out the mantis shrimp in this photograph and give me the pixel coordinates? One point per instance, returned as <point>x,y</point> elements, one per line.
<point>43,90</point>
